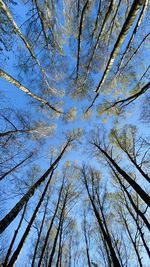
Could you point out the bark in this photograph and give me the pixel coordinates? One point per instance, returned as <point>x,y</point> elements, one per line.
<point>133,184</point>
<point>4,223</point>
<point>136,6</point>
<point>106,257</point>
<point>15,82</point>
<point>15,167</point>
<point>26,233</point>
<point>17,30</point>
<point>106,237</point>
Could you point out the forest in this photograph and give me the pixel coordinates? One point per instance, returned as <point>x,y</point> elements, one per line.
<point>74,133</point>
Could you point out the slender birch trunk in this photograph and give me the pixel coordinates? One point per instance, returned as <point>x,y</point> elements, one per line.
<point>4,223</point>
<point>15,82</point>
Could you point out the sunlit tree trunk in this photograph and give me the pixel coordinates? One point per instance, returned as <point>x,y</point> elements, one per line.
<point>12,80</point>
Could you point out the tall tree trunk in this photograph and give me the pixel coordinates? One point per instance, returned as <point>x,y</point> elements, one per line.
<point>25,235</point>
<point>134,185</point>
<point>135,51</point>
<point>80,33</point>
<point>139,212</point>
<point>42,24</point>
<point>4,223</point>
<point>97,19</point>
<point>105,234</point>
<point>12,80</point>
